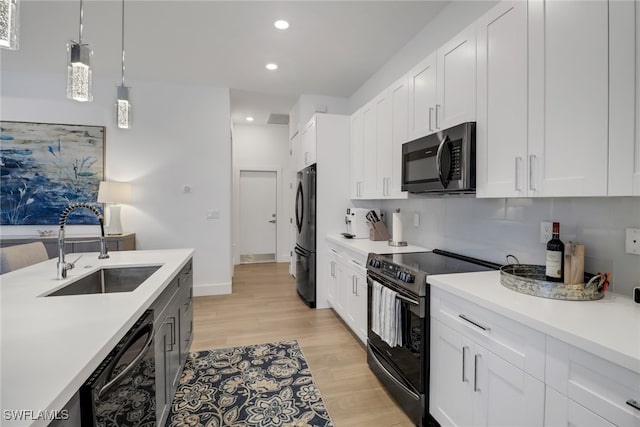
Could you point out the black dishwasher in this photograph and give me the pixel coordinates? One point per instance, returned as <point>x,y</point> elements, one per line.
<point>122,390</point>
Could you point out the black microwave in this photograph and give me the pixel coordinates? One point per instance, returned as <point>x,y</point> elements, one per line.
<point>443,162</point>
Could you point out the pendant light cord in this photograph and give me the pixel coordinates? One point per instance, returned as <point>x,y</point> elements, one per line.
<point>122,42</point>
<point>80,32</point>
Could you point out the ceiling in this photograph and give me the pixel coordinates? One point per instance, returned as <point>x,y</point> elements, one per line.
<point>331,47</point>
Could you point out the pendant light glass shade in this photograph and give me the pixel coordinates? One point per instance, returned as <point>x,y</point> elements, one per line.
<point>123,108</point>
<point>9,12</point>
<point>79,72</point>
<point>79,68</point>
<point>123,104</point>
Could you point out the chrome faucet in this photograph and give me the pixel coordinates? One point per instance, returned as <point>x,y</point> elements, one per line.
<point>62,266</point>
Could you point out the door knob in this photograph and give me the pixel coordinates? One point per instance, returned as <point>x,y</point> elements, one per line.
<point>273,221</point>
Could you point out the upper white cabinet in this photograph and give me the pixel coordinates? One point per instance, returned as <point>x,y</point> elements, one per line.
<point>399,94</point>
<point>457,80</point>
<point>555,113</point>
<point>357,154</point>
<point>568,98</point>
<point>501,127</point>
<point>378,131</point>
<point>624,72</point>
<point>307,155</point>
<point>423,97</point>
<point>442,88</point>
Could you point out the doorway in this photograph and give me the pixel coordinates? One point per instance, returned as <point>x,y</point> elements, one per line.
<point>257,228</point>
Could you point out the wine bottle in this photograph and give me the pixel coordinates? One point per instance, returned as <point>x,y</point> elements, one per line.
<point>554,268</point>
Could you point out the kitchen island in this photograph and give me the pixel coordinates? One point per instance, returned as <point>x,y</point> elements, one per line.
<point>51,345</point>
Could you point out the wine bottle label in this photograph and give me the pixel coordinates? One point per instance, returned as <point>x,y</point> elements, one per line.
<point>554,264</point>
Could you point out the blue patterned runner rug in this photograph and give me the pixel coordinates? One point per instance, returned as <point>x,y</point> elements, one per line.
<point>266,385</point>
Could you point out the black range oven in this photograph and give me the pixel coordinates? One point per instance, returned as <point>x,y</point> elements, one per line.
<point>403,367</point>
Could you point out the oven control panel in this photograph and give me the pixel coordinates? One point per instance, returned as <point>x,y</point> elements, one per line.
<point>392,270</point>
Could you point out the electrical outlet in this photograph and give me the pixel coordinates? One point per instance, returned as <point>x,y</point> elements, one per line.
<point>213,214</point>
<point>546,231</point>
<point>632,244</point>
<point>416,219</point>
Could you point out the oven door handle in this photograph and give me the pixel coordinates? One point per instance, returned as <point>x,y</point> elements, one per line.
<point>390,376</point>
<point>409,300</point>
<point>118,378</point>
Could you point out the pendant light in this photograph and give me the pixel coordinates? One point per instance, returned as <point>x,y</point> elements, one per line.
<point>123,106</point>
<point>79,68</point>
<point>9,24</point>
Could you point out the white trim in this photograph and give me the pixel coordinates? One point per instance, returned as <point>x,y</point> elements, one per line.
<point>212,289</point>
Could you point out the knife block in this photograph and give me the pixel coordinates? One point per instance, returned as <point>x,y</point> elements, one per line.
<point>378,231</point>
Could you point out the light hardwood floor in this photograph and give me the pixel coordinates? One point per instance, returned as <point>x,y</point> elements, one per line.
<point>264,307</point>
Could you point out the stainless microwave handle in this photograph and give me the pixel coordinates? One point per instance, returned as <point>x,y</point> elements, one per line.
<point>438,159</point>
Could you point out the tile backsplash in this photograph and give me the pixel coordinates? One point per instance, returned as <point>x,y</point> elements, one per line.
<point>492,228</point>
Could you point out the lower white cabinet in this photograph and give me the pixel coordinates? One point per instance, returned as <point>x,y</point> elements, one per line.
<point>470,385</point>
<point>348,288</point>
<point>562,411</point>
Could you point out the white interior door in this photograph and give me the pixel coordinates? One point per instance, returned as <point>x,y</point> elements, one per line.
<point>257,222</point>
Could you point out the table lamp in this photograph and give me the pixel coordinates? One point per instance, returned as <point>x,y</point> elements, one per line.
<point>114,193</point>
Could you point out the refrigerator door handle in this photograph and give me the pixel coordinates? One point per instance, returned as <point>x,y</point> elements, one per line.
<point>301,252</point>
<point>299,207</point>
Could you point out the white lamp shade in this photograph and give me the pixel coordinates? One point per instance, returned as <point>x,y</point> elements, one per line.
<point>114,192</point>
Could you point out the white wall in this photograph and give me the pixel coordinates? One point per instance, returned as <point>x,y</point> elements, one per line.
<point>180,135</point>
<point>456,16</point>
<point>265,148</point>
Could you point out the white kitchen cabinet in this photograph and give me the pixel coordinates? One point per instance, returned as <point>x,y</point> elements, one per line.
<point>568,98</point>
<point>357,154</point>
<point>442,88</point>
<point>456,80</point>
<point>356,316</point>
<point>501,126</point>
<point>607,389</point>
<point>308,144</point>
<point>470,385</point>
<point>378,131</point>
<point>562,411</point>
<point>399,94</point>
<point>624,107</point>
<point>347,288</point>
<point>423,97</point>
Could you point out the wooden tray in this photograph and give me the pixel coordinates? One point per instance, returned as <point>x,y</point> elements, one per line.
<point>530,279</point>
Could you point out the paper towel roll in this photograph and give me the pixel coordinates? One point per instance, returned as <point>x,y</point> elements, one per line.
<point>398,233</point>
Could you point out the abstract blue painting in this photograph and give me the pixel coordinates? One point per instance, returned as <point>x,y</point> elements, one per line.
<point>45,167</point>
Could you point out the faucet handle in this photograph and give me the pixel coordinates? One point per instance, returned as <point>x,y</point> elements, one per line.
<point>73,264</point>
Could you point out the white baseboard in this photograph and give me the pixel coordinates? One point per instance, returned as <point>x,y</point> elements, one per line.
<point>203,290</point>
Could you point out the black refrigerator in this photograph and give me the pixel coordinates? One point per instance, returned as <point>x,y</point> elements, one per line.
<point>305,250</point>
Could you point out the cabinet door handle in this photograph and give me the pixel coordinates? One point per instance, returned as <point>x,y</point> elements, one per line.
<point>473,322</point>
<point>333,272</point>
<point>306,157</point>
<point>356,286</point>
<point>475,372</point>
<point>532,161</point>
<point>517,180</point>
<point>430,127</point>
<point>464,357</point>
<point>353,282</point>
<point>633,404</point>
<point>173,334</point>
<point>437,108</point>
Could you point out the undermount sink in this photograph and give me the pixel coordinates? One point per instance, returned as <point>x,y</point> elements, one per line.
<point>108,280</point>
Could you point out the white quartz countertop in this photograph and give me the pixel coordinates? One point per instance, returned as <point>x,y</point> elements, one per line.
<point>50,345</point>
<point>365,246</point>
<point>608,328</point>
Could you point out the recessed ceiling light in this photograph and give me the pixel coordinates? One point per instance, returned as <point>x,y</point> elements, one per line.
<point>249,119</point>
<point>281,24</point>
<point>271,66</point>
